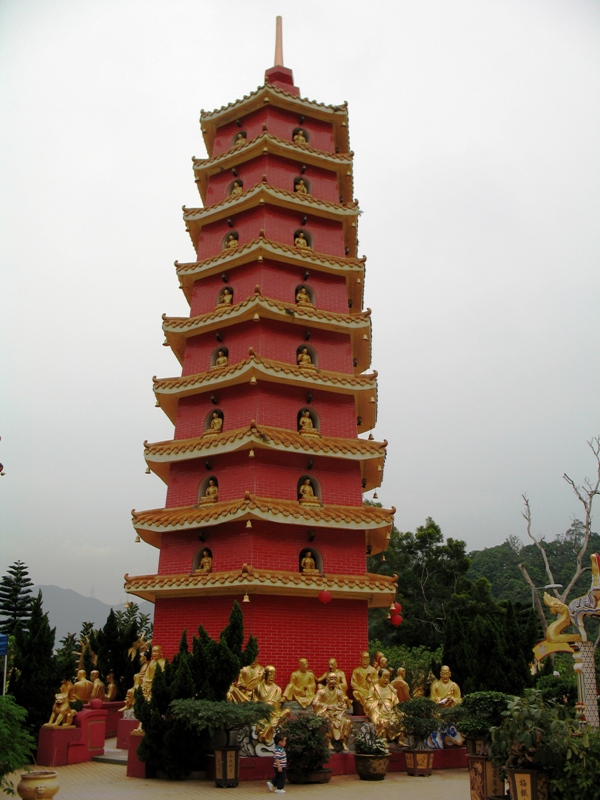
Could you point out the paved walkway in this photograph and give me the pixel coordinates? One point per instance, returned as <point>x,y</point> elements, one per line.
<point>97,781</point>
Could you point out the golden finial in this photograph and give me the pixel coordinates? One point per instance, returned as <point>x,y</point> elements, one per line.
<point>278,42</point>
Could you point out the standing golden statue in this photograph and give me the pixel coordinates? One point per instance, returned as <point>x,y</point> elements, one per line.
<point>362,679</point>
<point>340,675</point>
<point>248,679</point>
<point>445,692</point>
<point>331,703</point>
<point>268,692</point>
<point>379,707</point>
<point>302,686</point>
<point>157,660</point>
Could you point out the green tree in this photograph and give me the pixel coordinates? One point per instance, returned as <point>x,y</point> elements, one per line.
<point>428,570</point>
<point>17,745</point>
<point>15,597</point>
<point>34,679</point>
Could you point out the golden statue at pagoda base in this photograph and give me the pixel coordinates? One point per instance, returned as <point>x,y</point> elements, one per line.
<point>216,425</point>
<point>248,679</point>
<point>302,686</point>
<point>304,359</point>
<point>307,494</point>
<point>221,360</point>
<point>268,692</point>
<point>400,685</point>
<point>362,679</point>
<point>445,692</point>
<point>205,564</point>
<point>98,687</point>
<point>157,660</point>
<point>340,675</point>
<point>306,425</point>
<point>308,565</point>
<point>379,707</point>
<point>211,493</point>
<point>303,297</point>
<point>82,688</point>
<point>331,703</point>
<point>301,243</point>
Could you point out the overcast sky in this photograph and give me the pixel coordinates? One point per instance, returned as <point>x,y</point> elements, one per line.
<point>476,126</point>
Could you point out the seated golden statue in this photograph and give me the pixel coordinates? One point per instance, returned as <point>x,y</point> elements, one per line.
<point>302,686</point>
<point>226,297</point>
<point>308,565</point>
<point>339,674</point>
<point>157,660</point>
<point>303,297</point>
<point>306,426</point>
<point>82,688</point>
<point>111,688</point>
<point>267,691</point>
<point>62,714</point>
<point>98,687</point>
<point>445,692</point>
<point>379,707</point>
<point>331,703</point>
<point>300,137</point>
<point>240,140</point>
<point>307,494</point>
<point>236,189</point>
<point>231,242</point>
<point>211,493</point>
<point>221,360</point>
<point>300,187</point>
<point>248,679</point>
<point>216,425</point>
<point>300,241</point>
<point>127,709</point>
<point>304,359</point>
<point>401,686</point>
<point>362,679</point>
<point>205,564</point>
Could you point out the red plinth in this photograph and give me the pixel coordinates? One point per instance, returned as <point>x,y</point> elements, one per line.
<point>58,747</point>
<point>125,727</point>
<point>135,767</point>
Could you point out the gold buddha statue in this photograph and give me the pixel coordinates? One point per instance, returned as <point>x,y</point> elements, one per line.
<point>303,297</point>
<point>111,688</point>
<point>236,189</point>
<point>231,242</point>
<point>205,564</point>
<point>362,679</point>
<point>400,685</point>
<point>211,493</point>
<point>221,360</point>
<point>216,425</point>
<point>342,683</point>
<point>226,296</point>
<point>331,703</point>
<point>267,691</point>
<point>98,687</point>
<point>248,679</point>
<point>240,140</point>
<point>302,686</point>
<point>300,241</point>
<point>379,707</point>
<point>157,660</point>
<point>304,359</point>
<point>82,688</point>
<point>307,494</point>
<point>300,137</point>
<point>308,565</point>
<point>306,426</point>
<point>444,691</point>
<point>300,187</point>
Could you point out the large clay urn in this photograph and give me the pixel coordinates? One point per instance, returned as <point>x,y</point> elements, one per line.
<point>38,783</point>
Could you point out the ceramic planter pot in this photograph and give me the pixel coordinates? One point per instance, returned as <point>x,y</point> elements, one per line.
<point>316,776</point>
<point>371,768</point>
<point>527,784</point>
<point>419,762</point>
<point>38,784</point>
<point>484,778</point>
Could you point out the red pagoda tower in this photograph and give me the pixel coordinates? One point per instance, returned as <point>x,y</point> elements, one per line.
<point>266,471</point>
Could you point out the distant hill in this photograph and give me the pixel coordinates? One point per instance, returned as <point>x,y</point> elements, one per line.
<point>68,610</point>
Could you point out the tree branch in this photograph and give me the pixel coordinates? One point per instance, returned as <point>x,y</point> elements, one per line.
<point>535,597</point>
<point>538,542</point>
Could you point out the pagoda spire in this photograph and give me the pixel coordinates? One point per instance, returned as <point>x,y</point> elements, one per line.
<point>278,42</point>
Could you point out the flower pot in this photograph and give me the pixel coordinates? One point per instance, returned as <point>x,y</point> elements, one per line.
<point>527,784</point>
<point>371,768</point>
<point>39,783</point>
<point>419,762</point>
<point>227,765</point>
<point>322,775</point>
<point>484,778</point>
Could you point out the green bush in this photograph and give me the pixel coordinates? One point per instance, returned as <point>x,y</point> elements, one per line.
<point>479,712</point>
<point>306,745</point>
<point>16,744</point>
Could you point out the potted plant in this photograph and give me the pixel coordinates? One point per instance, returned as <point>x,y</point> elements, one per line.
<point>478,713</point>
<point>307,749</point>
<point>419,718</point>
<point>371,754</point>
<point>18,745</point>
<point>537,737</point>
<point>216,718</point>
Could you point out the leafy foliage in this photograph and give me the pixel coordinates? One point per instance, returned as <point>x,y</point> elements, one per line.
<point>306,746</point>
<point>428,570</point>
<point>17,745</point>
<point>15,599</point>
<point>211,716</point>
<point>367,743</point>
<point>419,718</point>
<point>576,774</point>
<point>479,712</point>
<point>417,661</point>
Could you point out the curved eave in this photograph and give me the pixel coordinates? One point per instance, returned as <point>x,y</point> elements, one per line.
<point>377,590</point>
<point>371,455</point>
<point>352,269</point>
<point>264,194</point>
<point>358,326</point>
<point>267,144</point>
<point>337,116</point>
<point>363,388</point>
<point>375,522</point>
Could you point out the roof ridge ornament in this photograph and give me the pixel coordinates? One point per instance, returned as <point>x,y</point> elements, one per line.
<point>278,42</point>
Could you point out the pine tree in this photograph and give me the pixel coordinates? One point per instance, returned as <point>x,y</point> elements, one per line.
<point>15,600</point>
<point>34,679</point>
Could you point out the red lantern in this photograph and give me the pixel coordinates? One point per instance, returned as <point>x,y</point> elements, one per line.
<point>397,608</point>
<point>396,620</point>
<point>325,596</point>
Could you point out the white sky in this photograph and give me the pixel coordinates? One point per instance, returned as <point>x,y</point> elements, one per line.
<point>476,127</point>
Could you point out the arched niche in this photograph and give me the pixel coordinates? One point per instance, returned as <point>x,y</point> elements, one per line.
<point>308,421</point>
<point>208,490</point>
<point>309,490</point>
<point>231,240</point>
<point>306,356</point>
<point>304,295</point>
<point>217,356</point>
<point>225,296</point>
<point>303,239</point>
<point>235,187</point>
<point>213,423</point>
<point>239,139</point>
<point>306,554</point>
<point>301,185</point>
<point>202,561</point>
<point>300,135</point>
